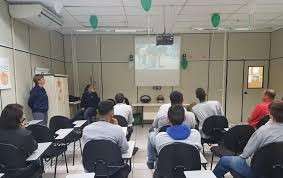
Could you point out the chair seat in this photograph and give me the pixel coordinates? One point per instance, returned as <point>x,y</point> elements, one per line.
<point>220,151</point>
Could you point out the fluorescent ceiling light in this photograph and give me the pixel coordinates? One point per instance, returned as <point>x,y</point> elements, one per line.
<point>242,29</point>
<point>84,30</point>
<point>125,30</point>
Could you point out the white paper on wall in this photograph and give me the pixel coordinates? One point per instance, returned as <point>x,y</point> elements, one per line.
<point>5,76</point>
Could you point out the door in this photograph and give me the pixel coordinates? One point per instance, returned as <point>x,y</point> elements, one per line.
<point>255,82</point>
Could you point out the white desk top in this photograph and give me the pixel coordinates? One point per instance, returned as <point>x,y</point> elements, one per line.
<point>33,122</point>
<point>1,174</point>
<point>39,151</point>
<point>75,102</point>
<point>62,133</point>
<point>202,158</point>
<point>124,130</point>
<point>199,174</point>
<point>79,123</point>
<point>82,175</point>
<point>130,151</point>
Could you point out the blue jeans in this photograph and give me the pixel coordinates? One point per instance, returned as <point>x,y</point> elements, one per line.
<point>151,153</point>
<point>232,163</point>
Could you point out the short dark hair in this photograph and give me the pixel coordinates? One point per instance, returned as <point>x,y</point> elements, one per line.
<point>119,98</point>
<point>270,93</point>
<point>176,114</point>
<point>11,116</point>
<point>200,94</point>
<point>104,107</point>
<point>176,97</point>
<point>276,110</point>
<point>37,77</point>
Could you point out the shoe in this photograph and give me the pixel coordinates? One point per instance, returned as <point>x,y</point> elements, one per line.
<point>150,165</point>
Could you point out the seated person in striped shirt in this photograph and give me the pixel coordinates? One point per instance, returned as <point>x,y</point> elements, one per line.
<point>272,132</point>
<point>205,109</point>
<point>176,132</point>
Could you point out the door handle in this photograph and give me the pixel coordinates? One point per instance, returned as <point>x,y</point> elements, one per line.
<point>245,92</point>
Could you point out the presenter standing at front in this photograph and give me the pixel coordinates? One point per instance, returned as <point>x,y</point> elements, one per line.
<point>38,100</point>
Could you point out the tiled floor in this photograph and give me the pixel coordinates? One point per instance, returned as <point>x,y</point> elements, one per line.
<point>139,170</point>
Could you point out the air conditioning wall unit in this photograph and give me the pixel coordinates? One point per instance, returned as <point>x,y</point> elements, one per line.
<point>36,15</point>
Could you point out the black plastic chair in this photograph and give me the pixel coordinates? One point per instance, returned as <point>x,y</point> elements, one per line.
<point>105,159</point>
<point>214,128</point>
<point>61,122</point>
<point>164,128</point>
<point>234,143</point>
<point>13,163</point>
<point>122,121</point>
<point>176,158</point>
<point>267,162</point>
<point>262,121</point>
<point>43,134</point>
<point>90,115</point>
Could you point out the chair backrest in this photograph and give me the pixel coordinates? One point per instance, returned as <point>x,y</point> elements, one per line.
<point>11,157</point>
<point>100,155</point>
<point>89,114</point>
<point>59,122</point>
<point>267,162</point>
<point>122,121</point>
<point>263,121</point>
<point>176,158</point>
<point>237,138</point>
<point>163,128</point>
<point>41,133</point>
<point>214,126</point>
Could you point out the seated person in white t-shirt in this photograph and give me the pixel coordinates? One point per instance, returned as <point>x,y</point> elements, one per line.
<point>124,110</point>
<point>205,109</point>
<point>177,132</point>
<point>161,118</point>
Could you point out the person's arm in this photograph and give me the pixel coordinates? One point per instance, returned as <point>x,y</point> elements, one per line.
<point>196,138</point>
<point>220,110</point>
<point>83,101</point>
<point>122,142</point>
<point>32,97</point>
<point>29,145</point>
<point>252,145</point>
<point>131,117</point>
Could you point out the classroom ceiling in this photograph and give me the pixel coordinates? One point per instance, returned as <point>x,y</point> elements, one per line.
<point>180,16</point>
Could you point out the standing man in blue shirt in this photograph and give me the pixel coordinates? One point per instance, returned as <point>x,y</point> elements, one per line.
<point>38,100</point>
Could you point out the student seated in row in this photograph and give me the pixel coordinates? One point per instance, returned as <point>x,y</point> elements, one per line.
<point>271,132</point>
<point>177,132</point>
<point>106,128</point>
<point>125,110</point>
<point>161,119</point>
<point>12,130</point>
<point>204,109</point>
<point>261,109</point>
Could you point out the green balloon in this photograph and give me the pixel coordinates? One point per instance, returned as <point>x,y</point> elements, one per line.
<point>215,19</point>
<point>146,4</point>
<point>93,20</point>
<point>184,63</point>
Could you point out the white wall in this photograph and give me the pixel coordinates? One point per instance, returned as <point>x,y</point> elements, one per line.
<point>276,62</point>
<point>27,47</point>
<point>104,59</point>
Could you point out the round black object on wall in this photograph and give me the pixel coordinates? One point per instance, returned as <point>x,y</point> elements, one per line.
<point>145,99</point>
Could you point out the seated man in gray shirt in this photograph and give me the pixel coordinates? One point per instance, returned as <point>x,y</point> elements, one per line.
<point>104,129</point>
<point>176,132</point>
<point>271,132</point>
<point>205,109</point>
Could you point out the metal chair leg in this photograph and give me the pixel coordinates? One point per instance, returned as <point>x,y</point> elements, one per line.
<point>56,159</point>
<point>51,160</point>
<point>81,147</point>
<point>74,150</point>
<point>66,162</point>
<point>212,156</point>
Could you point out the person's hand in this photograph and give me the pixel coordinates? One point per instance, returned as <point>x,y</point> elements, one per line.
<point>114,121</point>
